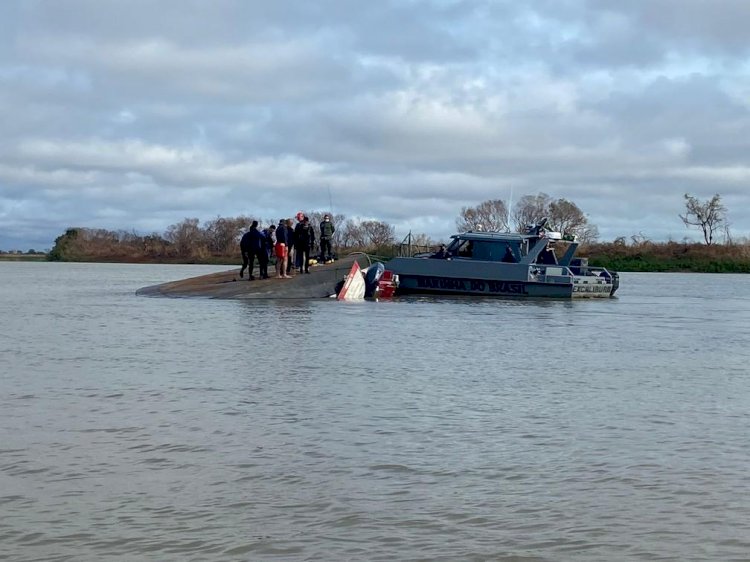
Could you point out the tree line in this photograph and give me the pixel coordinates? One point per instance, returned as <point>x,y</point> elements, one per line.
<point>709,216</point>
<point>216,240</point>
<point>562,216</point>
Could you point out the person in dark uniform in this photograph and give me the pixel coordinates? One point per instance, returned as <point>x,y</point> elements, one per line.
<point>281,251</point>
<point>547,256</point>
<point>290,246</point>
<point>304,240</point>
<point>252,245</point>
<point>270,234</point>
<point>442,253</point>
<point>326,236</point>
<point>265,244</point>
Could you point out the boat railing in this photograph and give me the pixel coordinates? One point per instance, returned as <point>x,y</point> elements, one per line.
<point>550,273</point>
<point>563,274</point>
<point>411,248</point>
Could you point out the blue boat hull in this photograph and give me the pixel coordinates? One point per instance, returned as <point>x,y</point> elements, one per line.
<point>428,284</point>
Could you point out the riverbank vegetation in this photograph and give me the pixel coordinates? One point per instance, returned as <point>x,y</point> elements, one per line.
<point>217,241</point>
<point>98,245</point>
<point>670,256</point>
<point>18,255</point>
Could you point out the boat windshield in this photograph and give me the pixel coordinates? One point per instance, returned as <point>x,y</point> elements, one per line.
<point>464,248</point>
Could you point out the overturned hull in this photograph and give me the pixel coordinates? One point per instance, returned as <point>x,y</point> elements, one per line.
<point>320,283</point>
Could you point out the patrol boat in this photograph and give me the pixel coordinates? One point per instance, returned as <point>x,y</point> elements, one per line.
<point>504,265</point>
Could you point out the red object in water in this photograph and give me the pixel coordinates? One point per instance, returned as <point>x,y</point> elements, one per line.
<point>387,285</point>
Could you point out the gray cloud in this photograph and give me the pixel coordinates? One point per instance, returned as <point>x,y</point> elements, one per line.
<point>116,115</point>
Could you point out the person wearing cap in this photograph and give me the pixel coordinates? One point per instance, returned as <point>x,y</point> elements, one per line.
<point>326,236</point>
<point>304,241</point>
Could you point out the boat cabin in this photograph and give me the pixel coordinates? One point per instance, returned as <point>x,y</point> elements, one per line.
<point>536,247</point>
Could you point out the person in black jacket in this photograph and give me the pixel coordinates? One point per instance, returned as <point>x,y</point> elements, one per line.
<point>442,253</point>
<point>281,250</point>
<point>326,236</point>
<point>290,247</point>
<point>265,246</point>
<point>304,240</point>
<point>251,245</point>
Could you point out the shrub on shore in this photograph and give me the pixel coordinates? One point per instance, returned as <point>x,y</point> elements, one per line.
<point>218,243</point>
<point>670,256</point>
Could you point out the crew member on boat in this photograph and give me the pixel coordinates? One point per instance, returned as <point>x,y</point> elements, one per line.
<point>442,253</point>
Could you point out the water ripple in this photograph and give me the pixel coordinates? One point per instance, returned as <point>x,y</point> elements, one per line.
<point>422,429</point>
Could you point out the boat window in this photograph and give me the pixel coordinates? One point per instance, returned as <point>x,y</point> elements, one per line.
<point>547,256</point>
<point>465,249</point>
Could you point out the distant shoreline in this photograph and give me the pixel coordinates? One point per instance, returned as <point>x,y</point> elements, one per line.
<point>639,263</point>
<point>23,257</point>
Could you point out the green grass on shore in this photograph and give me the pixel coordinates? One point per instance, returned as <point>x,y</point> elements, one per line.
<point>655,264</point>
<point>23,257</point>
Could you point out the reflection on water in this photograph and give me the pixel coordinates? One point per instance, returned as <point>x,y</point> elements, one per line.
<point>418,429</point>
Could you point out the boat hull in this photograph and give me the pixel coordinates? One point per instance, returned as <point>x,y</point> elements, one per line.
<point>479,287</point>
<point>441,277</point>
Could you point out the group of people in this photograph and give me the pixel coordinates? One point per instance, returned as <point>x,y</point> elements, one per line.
<point>292,246</point>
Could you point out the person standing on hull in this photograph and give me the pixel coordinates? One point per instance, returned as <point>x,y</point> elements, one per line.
<point>297,258</point>
<point>281,251</point>
<point>251,245</point>
<point>326,236</point>
<point>290,242</point>
<point>270,234</point>
<point>265,245</point>
<point>304,237</point>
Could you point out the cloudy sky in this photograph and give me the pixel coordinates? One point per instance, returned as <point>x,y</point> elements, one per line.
<point>137,114</point>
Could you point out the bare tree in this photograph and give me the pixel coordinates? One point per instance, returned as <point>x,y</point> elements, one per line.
<point>488,215</point>
<point>589,234</point>
<point>154,245</point>
<point>352,235</point>
<point>186,236</point>
<point>562,215</point>
<point>710,216</point>
<point>529,210</point>
<point>378,233</point>
<point>422,240</point>
<point>367,235</point>
<point>566,217</point>
<point>728,238</point>
<point>222,234</point>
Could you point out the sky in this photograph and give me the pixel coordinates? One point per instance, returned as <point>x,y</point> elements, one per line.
<point>134,115</point>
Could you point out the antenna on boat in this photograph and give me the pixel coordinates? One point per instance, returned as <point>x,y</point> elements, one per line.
<point>330,202</point>
<point>510,203</point>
